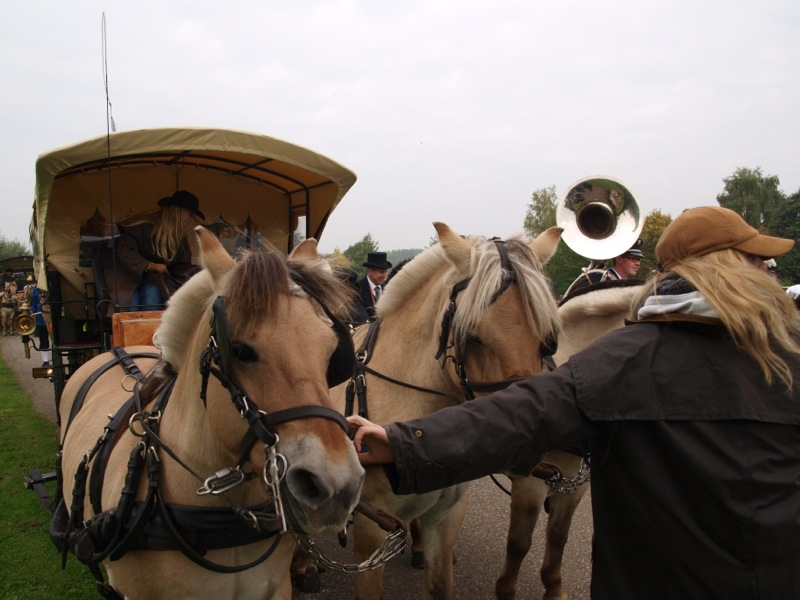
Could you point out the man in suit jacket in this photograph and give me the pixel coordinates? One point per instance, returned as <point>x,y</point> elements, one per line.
<point>371,286</point>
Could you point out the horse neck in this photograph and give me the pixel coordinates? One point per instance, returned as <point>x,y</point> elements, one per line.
<point>406,350</point>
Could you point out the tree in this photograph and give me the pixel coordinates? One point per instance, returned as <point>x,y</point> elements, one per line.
<point>541,212</point>
<point>338,259</point>
<point>786,224</point>
<point>12,248</point>
<point>654,225</point>
<point>757,198</point>
<point>565,265</point>
<point>357,253</point>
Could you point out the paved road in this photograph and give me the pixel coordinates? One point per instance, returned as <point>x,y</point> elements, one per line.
<point>480,549</point>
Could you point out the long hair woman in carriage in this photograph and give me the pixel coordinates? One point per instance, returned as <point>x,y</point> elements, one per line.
<point>153,254</point>
<point>692,413</point>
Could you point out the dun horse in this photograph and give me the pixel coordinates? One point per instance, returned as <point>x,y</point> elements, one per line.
<point>584,317</point>
<point>499,320</point>
<point>233,430</point>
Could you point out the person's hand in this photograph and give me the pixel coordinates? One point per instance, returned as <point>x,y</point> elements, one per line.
<point>157,268</point>
<point>371,442</point>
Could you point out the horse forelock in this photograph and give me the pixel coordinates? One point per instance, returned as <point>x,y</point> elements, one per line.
<point>254,289</point>
<point>486,279</point>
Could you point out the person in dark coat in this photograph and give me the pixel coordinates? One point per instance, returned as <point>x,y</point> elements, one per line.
<point>371,285</point>
<point>692,412</point>
<point>153,255</point>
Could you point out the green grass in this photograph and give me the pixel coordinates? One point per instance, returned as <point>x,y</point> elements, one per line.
<point>29,562</point>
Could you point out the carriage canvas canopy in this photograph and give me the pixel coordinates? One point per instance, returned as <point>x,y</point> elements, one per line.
<point>244,180</point>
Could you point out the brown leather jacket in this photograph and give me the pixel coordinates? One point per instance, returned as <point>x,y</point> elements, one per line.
<point>695,460</point>
<point>134,250</point>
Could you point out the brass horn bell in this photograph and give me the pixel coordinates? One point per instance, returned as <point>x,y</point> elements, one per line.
<point>600,216</point>
<point>24,324</point>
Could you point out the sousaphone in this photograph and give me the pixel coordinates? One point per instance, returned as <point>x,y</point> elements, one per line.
<point>601,218</point>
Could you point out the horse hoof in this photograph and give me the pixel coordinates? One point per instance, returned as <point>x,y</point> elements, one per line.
<point>418,559</point>
<point>308,584</point>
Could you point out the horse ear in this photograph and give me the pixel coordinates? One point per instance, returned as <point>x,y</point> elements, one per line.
<point>455,247</point>
<point>213,256</point>
<point>307,249</point>
<point>544,246</point>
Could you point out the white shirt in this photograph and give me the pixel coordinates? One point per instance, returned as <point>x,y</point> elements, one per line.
<point>793,291</point>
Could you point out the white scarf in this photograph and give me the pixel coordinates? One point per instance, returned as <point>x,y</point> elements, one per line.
<point>693,303</point>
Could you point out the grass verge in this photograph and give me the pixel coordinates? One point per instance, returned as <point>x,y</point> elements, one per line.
<point>31,564</point>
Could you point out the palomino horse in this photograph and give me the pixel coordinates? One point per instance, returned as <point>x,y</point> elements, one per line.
<point>246,447</point>
<point>499,315</point>
<point>584,317</point>
<point>8,307</point>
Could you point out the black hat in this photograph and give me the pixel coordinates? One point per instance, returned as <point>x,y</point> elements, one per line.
<point>634,250</point>
<point>183,199</point>
<point>377,260</point>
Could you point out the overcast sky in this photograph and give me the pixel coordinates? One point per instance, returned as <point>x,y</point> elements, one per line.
<point>447,110</point>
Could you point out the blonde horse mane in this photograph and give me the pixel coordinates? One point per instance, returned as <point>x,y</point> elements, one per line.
<point>254,286</point>
<point>599,303</point>
<point>485,268</point>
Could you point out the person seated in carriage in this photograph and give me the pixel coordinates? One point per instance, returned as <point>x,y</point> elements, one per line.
<point>692,414</point>
<point>153,253</point>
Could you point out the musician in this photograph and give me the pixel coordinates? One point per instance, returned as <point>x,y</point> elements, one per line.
<point>371,285</point>
<point>624,266</point>
<point>692,416</point>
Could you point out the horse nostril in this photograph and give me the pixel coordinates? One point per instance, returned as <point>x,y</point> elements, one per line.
<point>307,487</point>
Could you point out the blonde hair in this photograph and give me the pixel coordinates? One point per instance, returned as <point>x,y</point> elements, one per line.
<point>167,230</point>
<point>752,306</point>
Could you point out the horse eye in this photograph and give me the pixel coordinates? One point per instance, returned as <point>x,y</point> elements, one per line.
<point>243,353</point>
<point>474,340</point>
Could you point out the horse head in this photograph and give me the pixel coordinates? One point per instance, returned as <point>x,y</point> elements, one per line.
<point>265,333</point>
<point>496,311</point>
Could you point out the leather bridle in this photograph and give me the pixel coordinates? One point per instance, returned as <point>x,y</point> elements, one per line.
<point>547,348</point>
<point>356,388</point>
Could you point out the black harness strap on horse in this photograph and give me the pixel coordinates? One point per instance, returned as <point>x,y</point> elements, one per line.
<point>122,358</point>
<point>357,387</point>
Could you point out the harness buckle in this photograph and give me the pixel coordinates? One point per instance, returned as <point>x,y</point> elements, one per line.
<point>222,481</point>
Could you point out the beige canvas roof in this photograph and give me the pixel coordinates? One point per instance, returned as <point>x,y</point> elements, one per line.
<point>239,177</point>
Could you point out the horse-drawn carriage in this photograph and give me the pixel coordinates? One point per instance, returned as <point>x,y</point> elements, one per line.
<point>256,191</point>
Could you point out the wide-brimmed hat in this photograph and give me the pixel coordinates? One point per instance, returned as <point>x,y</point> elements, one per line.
<point>377,260</point>
<point>699,231</point>
<point>183,199</point>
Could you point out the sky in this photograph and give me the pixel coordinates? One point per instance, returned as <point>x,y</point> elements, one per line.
<point>446,110</point>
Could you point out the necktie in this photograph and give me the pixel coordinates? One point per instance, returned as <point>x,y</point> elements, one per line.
<point>377,293</point>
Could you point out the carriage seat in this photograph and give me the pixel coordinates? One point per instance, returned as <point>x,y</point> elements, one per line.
<point>134,328</point>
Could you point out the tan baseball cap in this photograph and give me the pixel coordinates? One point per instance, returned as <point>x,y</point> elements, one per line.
<point>699,231</point>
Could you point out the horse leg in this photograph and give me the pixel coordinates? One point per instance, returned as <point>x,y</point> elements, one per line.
<point>367,537</point>
<point>527,498</point>
<point>439,534</point>
<point>305,572</point>
<point>417,549</point>
<point>562,509</point>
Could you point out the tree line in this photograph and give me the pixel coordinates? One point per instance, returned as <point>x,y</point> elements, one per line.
<point>755,196</point>
<point>749,192</point>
